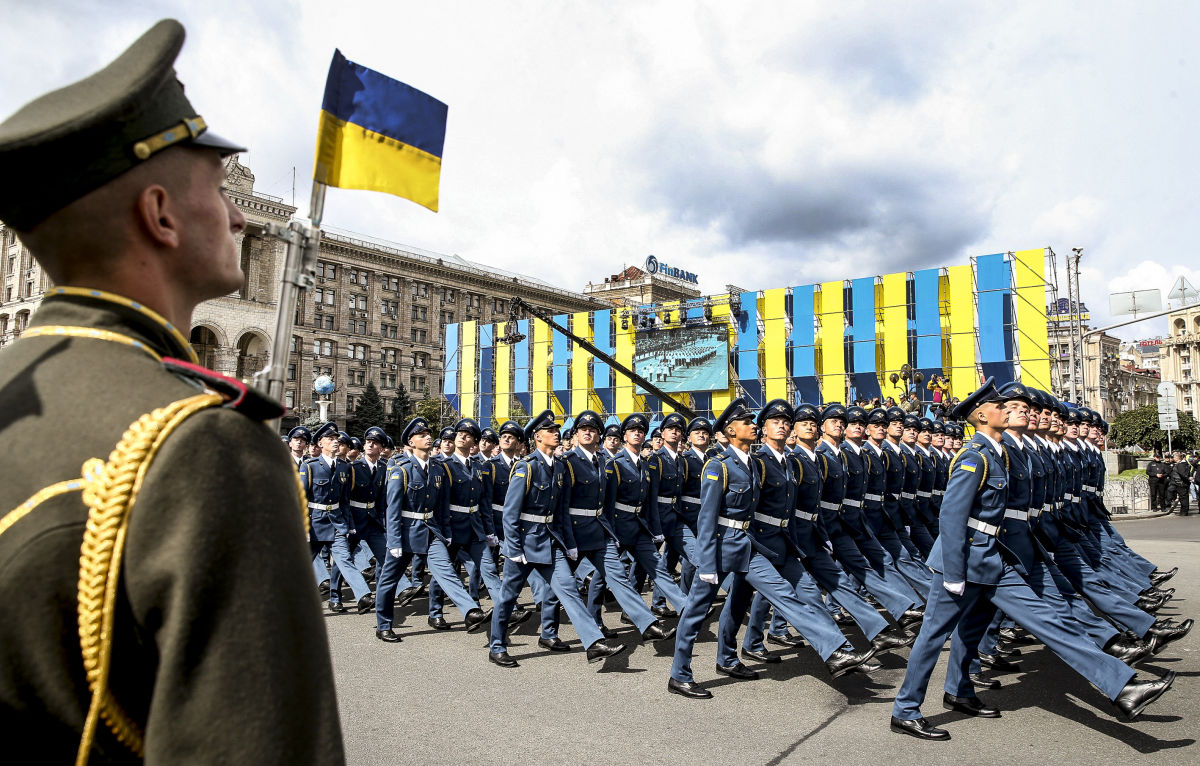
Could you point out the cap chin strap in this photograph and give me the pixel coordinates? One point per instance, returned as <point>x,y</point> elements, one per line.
<point>190,128</point>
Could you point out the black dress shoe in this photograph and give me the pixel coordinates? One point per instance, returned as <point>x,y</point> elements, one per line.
<point>336,607</point>
<point>688,689</point>
<point>601,651</point>
<point>502,659</point>
<point>438,623</point>
<point>664,612</point>
<point>842,618</point>
<point>555,644</point>
<point>626,619</point>
<point>870,666</point>
<point>1016,636</point>
<point>1165,622</point>
<point>608,632</point>
<point>891,640</point>
<point>981,682</point>
<point>911,617</point>
<point>784,639</point>
<point>1146,605</point>
<point>388,635</point>
<point>408,594</point>
<point>366,603</point>
<point>476,619</point>
<point>518,616</point>
<point>1005,649</point>
<point>969,705</point>
<point>656,631</point>
<point>997,663</point>
<point>1136,695</point>
<point>1129,652</point>
<point>737,670</point>
<point>323,588</point>
<point>1158,578</point>
<point>919,728</point>
<point>843,661</point>
<point>1164,636</point>
<point>763,656</point>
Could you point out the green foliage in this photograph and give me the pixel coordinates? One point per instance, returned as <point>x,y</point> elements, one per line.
<point>430,408</point>
<point>369,412</point>
<point>1140,427</point>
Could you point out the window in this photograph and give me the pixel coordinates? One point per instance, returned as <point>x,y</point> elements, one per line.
<point>388,380</point>
<point>420,290</point>
<point>319,295</point>
<point>358,278</point>
<point>389,355</point>
<point>473,301</point>
<point>395,284</point>
<point>416,383</point>
<point>329,322</point>
<point>387,331</point>
<point>295,344</point>
<point>359,377</point>
<point>390,307</point>
<point>289,399</point>
<point>356,351</point>
<point>291,372</point>
<point>8,294</point>
<point>419,336</point>
<point>447,317</point>
<point>353,299</point>
<point>448,295</point>
<point>329,297</point>
<point>419,313</point>
<point>498,306</point>
<point>323,347</point>
<point>419,359</point>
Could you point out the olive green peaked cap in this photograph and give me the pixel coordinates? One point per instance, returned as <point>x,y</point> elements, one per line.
<point>74,140</point>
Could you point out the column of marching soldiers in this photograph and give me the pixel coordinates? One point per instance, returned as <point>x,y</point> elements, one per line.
<point>808,518</point>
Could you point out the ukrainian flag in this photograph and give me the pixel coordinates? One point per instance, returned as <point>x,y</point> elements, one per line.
<point>379,134</point>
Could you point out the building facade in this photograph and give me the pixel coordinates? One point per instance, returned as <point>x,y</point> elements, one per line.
<point>378,311</point>
<point>636,287</point>
<point>1179,354</point>
<point>1103,380</point>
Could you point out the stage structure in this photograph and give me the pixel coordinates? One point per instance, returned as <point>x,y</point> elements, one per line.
<point>834,341</point>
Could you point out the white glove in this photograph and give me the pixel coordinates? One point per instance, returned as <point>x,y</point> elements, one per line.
<point>658,539</point>
<point>908,530</point>
<point>353,532</point>
<point>493,540</point>
<point>711,579</point>
<point>955,588</point>
<point>395,552</point>
<point>572,553</point>
<point>519,559</point>
<point>829,546</point>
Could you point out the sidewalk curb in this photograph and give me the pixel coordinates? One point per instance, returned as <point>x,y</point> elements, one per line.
<point>1144,516</point>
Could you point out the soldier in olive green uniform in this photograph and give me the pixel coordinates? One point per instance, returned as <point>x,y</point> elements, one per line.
<point>157,627</point>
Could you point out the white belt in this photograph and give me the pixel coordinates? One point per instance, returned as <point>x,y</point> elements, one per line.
<point>852,503</point>
<point>1088,488</point>
<point>321,507</point>
<point>939,492</point>
<point>585,512</point>
<point>806,515</point>
<point>1058,506</point>
<point>667,500</point>
<point>908,495</point>
<point>873,498</point>
<point>690,499</point>
<point>772,520</point>
<point>356,504</point>
<point>1035,512</point>
<point>733,524</point>
<point>421,516</point>
<point>830,506</point>
<point>464,508</point>
<point>1069,497</point>
<point>982,526</point>
<point>1013,513</point>
<point>627,508</point>
<point>924,494</point>
<point>536,519</point>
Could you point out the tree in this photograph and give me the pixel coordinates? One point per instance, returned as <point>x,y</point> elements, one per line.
<point>430,408</point>
<point>369,411</point>
<point>402,412</point>
<point>1140,427</point>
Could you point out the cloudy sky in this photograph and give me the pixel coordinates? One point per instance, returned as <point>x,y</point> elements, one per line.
<point>760,144</point>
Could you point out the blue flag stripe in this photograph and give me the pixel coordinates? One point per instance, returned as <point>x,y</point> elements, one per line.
<point>380,104</point>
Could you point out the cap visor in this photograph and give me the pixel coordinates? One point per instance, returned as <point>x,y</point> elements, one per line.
<point>213,141</point>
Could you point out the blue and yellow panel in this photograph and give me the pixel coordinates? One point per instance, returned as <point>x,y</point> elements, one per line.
<point>993,283</point>
<point>581,379</point>
<point>450,368</point>
<point>928,322</point>
<point>487,372</point>
<point>803,345</point>
<point>719,400</point>
<point>521,369</point>
<point>864,376</point>
<point>504,352</point>
<point>625,397</point>
<point>964,376</point>
<point>1033,345</point>
<point>894,331</point>
<point>774,348</point>
<point>467,386</point>
<point>831,340</point>
<point>539,389</point>
<point>602,374</point>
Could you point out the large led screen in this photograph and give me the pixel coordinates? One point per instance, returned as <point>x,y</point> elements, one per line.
<point>683,359</point>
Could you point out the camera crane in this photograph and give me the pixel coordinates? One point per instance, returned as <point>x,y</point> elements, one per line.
<point>512,336</point>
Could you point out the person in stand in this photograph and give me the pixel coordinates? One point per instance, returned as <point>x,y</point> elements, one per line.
<point>1180,483</point>
<point>534,511</point>
<point>1156,478</point>
<point>974,572</point>
<point>298,440</point>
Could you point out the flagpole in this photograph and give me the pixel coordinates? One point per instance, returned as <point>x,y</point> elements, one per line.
<point>303,238</point>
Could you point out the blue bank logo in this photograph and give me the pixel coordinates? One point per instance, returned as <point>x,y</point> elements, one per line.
<point>654,267</point>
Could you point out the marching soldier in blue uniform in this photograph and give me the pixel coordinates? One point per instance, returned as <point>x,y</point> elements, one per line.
<point>699,435</point>
<point>911,562</point>
<point>367,501</point>
<point>534,515</point>
<point>632,511</point>
<point>589,535</point>
<point>973,567</point>
<point>729,498</point>
<point>666,485</point>
<point>926,508</point>
<point>797,554</point>
<point>914,520</point>
<point>612,441</point>
<point>418,525</point>
<point>327,481</point>
<point>298,440</point>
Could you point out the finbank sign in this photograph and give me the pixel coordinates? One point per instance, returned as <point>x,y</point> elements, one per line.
<point>653,266</point>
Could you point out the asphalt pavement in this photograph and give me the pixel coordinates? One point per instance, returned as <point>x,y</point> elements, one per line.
<point>435,699</point>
